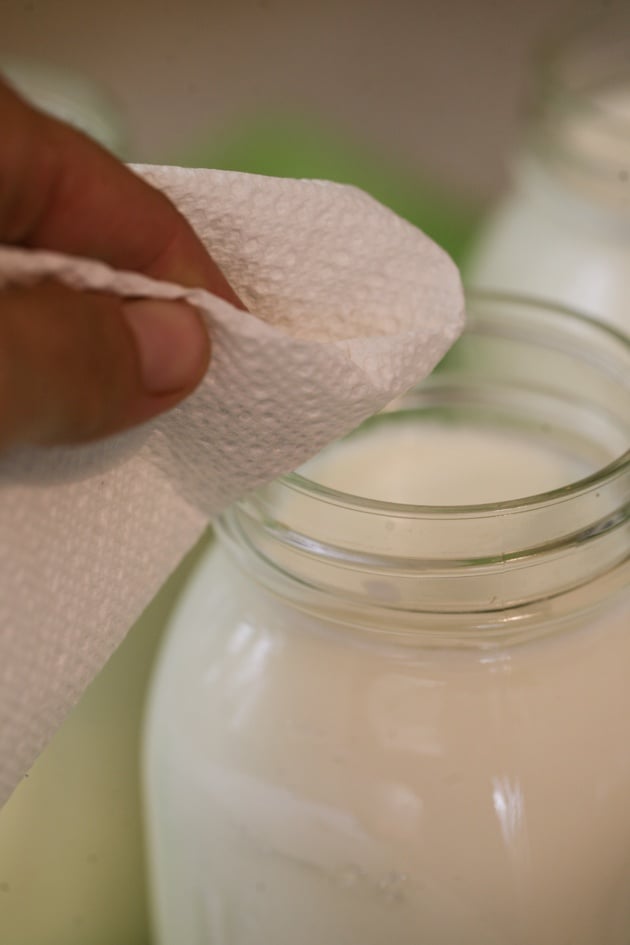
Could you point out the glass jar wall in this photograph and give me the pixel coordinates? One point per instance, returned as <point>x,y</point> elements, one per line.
<point>394,701</point>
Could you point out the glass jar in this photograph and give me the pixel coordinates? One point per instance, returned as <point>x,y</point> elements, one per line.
<point>393,705</point>
<point>563,232</point>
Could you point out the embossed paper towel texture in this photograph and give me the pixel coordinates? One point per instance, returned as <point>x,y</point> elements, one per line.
<point>349,306</point>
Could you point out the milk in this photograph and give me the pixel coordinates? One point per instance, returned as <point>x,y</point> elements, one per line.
<point>315,785</point>
<point>432,464</point>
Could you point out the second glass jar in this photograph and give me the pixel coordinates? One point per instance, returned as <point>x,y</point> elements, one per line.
<point>563,231</point>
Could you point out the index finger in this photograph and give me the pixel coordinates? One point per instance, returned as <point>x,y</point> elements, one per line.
<point>61,191</point>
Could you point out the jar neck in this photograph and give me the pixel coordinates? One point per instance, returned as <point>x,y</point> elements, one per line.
<point>579,115</point>
<point>521,368</point>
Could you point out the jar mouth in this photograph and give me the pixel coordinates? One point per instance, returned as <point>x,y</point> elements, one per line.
<point>526,368</point>
<point>618,466</point>
<point>310,487</point>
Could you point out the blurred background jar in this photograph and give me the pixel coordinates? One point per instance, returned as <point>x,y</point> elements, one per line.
<point>563,231</point>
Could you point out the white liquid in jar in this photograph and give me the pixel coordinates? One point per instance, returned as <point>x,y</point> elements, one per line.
<point>432,464</point>
<point>316,789</point>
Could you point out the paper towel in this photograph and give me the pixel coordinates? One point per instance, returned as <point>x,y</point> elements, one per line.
<point>349,306</point>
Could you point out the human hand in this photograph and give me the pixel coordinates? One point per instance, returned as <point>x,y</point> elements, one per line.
<point>76,366</point>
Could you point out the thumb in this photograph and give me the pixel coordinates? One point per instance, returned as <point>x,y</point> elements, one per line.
<point>76,366</point>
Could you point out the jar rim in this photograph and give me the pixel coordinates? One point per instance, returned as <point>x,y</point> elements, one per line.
<point>521,362</point>
<point>303,484</point>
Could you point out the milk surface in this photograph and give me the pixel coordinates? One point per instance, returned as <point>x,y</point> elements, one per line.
<point>435,464</point>
<point>309,786</point>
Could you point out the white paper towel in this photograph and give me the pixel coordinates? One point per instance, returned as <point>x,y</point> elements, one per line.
<point>349,306</point>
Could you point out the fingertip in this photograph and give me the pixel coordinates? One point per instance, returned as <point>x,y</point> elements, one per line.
<point>78,366</point>
<point>172,344</point>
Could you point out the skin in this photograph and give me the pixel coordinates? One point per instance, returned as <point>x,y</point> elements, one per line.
<point>76,366</point>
